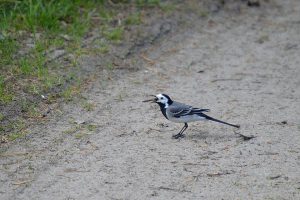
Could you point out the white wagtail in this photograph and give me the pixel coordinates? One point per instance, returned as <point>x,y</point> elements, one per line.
<point>182,113</point>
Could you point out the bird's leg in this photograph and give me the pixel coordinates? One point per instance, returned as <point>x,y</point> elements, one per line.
<point>180,134</point>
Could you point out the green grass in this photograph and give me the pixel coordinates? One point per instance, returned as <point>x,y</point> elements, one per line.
<point>88,106</point>
<point>110,66</point>
<point>48,24</point>
<point>18,127</point>
<point>91,127</point>
<point>38,15</point>
<point>149,3</point>
<point>6,94</point>
<point>167,7</point>
<point>31,29</point>
<point>26,67</point>
<point>69,93</point>
<point>100,46</point>
<point>133,19</point>
<point>26,105</point>
<point>114,34</point>
<point>14,136</point>
<point>106,15</point>
<point>81,130</point>
<point>1,117</point>
<point>103,49</point>
<point>43,15</point>
<point>8,47</point>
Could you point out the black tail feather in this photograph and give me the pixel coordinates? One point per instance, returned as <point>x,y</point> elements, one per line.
<point>216,120</point>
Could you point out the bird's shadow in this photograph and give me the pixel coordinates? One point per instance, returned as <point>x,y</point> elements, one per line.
<point>203,135</point>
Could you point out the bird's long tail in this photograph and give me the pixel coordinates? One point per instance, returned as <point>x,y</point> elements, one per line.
<point>216,120</point>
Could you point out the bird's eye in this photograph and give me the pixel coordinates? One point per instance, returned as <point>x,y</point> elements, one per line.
<point>161,98</point>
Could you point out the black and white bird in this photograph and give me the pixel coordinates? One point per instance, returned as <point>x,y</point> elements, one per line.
<point>182,113</point>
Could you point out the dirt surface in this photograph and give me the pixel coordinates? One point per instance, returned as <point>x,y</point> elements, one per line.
<point>241,62</point>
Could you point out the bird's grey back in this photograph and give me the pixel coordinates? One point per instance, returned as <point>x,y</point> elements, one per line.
<point>177,107</point>
<point>180,105</point>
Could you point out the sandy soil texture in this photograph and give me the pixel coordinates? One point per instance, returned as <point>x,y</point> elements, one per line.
<point>241,62</point>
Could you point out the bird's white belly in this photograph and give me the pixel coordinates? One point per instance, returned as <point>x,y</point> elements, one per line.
<point>187,118</point>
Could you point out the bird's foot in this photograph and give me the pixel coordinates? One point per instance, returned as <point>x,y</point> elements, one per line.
<point>177,136</point>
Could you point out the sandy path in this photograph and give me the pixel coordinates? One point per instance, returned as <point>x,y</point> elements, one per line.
<point>244,67</point>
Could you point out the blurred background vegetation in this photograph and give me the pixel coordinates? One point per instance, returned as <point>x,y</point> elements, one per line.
<point>35,33</point>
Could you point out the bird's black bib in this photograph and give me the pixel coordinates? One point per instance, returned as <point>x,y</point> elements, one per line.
<point>163,109</point>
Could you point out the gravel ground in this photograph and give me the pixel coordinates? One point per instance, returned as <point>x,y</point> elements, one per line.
<point>241,62</point>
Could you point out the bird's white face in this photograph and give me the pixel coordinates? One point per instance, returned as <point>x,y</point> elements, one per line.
<point>162,99</point>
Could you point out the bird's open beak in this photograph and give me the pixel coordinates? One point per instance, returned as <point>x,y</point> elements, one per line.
<point>151,100</point>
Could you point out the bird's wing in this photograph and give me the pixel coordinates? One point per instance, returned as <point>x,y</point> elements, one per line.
<point>199,110</point>
<point>179,109</point>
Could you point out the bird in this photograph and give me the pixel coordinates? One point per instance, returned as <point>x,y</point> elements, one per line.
<point>182,113</point>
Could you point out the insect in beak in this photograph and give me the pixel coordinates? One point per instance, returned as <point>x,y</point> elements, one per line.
<point>151,100</point>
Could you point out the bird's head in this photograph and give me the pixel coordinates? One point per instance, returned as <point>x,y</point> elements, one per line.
<point>161,99</point>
